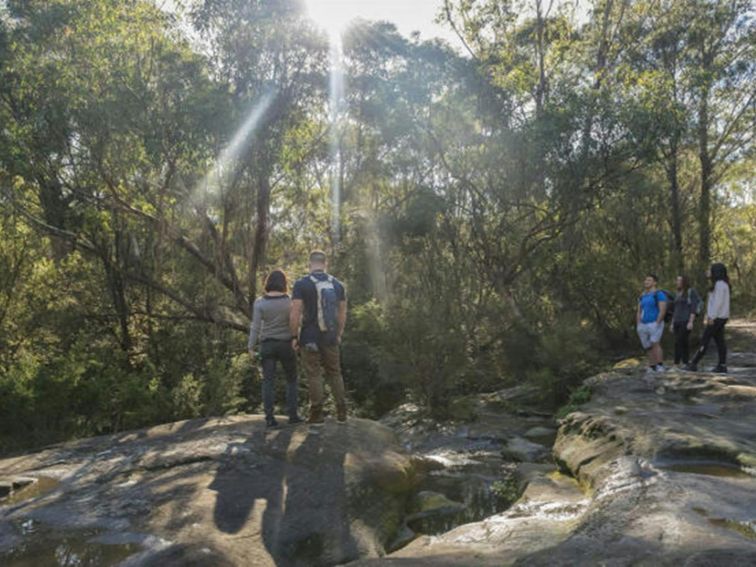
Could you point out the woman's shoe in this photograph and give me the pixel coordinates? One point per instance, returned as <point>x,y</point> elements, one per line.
<point>719,369</point>
<point>271,422</point>
<point>690,367</point>
<point>295,419</point>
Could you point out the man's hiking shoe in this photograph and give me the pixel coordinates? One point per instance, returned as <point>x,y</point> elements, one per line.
<point>316,417</point>
<point>271,422</point>
<point>341,415</point>
<point>719,369</point>
<point>294,420</point>
<point>691,367</point>
<point>660,368</point>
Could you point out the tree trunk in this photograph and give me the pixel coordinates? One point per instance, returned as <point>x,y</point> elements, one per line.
<point>117,288</point>
<point>262,229</point>
<point>674,197</point>
<point>54,207</point>
<point>541,96</point>
<point>704,215</point>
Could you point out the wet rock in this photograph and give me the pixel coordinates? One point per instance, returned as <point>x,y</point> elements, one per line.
<point>645,478</point>
<point>521,450</point>
<point>540,432</point>
<point>480,422</point>
<point>424,464</point>
<point>427,508</point>
<point>464,409</point>
<point>11,486</point>
<point>20,482</point>
<point>541,518</point>
<point>402,539</point>
<point>433,502</point>
<point>747,460</point>
<point>219,491</point>
<point>186,555</point>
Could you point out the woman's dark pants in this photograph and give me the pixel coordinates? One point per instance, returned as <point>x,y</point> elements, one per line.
<point>714,331</point>
<point>273,351</point>
<point>682,342</point>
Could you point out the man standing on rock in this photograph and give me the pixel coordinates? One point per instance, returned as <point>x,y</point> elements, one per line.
<point>318,318</point>
<point>652,307</point>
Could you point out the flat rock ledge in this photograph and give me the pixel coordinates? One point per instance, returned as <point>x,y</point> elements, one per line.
<point>657,469</point>
<point>212,492</point>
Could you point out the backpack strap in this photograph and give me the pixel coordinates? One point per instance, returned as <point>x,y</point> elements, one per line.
<point>316,281</point>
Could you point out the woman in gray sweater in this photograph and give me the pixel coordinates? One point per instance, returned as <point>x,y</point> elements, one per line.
<point>686,306</point>
<point>270,326</point>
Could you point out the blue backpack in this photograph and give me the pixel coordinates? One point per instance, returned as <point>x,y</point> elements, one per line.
<point>328,306</point>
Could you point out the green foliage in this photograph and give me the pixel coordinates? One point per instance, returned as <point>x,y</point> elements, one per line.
<point>578,397</point>
<point>507,490</point>
<point>186,398</point>
<point>224,385</point>
<point>371,372</point>
<point>555,359</point>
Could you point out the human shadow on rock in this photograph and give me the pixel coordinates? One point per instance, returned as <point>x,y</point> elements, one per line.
<point>293,480</point>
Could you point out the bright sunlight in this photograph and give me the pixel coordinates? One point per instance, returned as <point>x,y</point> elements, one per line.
<point>334,15</point>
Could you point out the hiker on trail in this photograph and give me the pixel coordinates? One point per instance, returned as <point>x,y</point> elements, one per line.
<point>717,314</point>
<point>652,307</point>
<point>686,306</point>
<point>270,325</point>
<point>318,317</point>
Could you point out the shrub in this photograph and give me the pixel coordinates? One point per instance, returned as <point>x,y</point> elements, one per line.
<point>578,397</point>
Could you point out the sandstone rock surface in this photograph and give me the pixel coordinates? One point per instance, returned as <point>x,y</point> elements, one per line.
<point>212,492</point>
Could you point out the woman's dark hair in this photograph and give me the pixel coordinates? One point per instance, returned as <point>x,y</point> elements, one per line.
<point>718,272</point>
<point>685,285</point>
<point>276,281</point>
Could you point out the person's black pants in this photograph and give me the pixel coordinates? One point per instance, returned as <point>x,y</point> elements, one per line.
<point>682,342</point>
<point>273,351</point>
<point>713,331</point>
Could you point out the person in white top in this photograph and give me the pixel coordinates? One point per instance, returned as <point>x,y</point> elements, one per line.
<point>717,314</point>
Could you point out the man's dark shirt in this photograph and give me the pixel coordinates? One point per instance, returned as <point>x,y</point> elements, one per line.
<point>304,289</point>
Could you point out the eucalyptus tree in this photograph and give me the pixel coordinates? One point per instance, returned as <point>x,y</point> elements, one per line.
<point>692,68</point>
<point>657,69</point>
<point>722,57</point>
<point>116,125</point>
<point>258,49</point>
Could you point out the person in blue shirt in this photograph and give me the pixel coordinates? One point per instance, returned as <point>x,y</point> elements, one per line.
<point>652,306</point>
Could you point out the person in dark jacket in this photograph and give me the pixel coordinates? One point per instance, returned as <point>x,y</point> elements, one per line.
<point>686,306</point>
<point>270,326</point>
<point>318,318</point>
